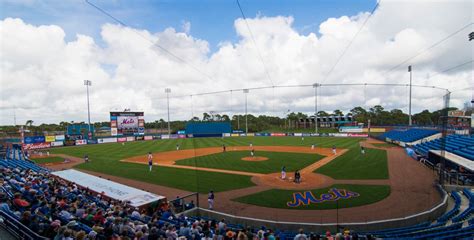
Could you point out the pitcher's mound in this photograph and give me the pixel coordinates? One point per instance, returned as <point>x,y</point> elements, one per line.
<point>254,159</point>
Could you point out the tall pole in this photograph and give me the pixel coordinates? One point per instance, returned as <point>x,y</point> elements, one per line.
<point>246,91</point>
<point>88,83</point>
<point>167,91</point>
<point>409,103</point>
<point>315,86</point>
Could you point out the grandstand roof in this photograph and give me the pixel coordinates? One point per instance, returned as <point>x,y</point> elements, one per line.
<point>464,162</point>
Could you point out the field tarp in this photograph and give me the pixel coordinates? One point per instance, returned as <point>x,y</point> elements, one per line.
<point>114,190</point>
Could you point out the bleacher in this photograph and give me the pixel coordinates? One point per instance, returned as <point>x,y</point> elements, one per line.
<point>454,224</point>
<point>408,136</point>
<point>457,144</point>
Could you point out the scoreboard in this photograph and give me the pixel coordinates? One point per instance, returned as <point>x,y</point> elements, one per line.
<point>127,123</point>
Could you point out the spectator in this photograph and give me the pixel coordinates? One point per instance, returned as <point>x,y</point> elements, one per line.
<point>301,235</point>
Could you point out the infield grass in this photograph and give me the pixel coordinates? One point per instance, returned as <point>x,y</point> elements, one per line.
<point>278,198</point>
<point>232,161</point>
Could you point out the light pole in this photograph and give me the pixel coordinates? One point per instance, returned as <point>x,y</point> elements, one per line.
<point>409,101</point>
<point>315,86</point>
<point>246,91</point>
<point>88,83</point>
<point>167,91</point>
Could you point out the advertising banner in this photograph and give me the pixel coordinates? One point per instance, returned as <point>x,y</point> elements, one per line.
<point>81,142</point>
<point>234,135</point>
<point>181,135</point>
<point>57,144</point>
<point>278,134</point>
<point>375,130</point>
<point>50,138</point>
<point>139,138</point>
<point>121,139</point>
<point>173,136</point>
<point>357,135</point>
<point>306,134</point>
<point>298,134</point>
<point>242,135</point>
<point>339,134</point>
<point>226,134</point>
<point>31,146</point>
<point>181,132</point>
<point>290,134</point>
<point>250,134</point>
<point>92,141</point>
<point>130,139</point>
<point>70,142</point>
<point>60,137</point>
<point>165,136</point>
<point>146,138</point>
<point>34,139</point>
<point>106,140</point>
<point>190,135</point>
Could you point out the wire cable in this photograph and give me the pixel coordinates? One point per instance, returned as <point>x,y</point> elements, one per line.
<point>350,43</point>
<point>428,48</point>
<point>451,68</point>
<point>255,43</point>
<point>147,39</point>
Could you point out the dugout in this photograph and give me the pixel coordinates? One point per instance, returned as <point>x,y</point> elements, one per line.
<point>208,129</point>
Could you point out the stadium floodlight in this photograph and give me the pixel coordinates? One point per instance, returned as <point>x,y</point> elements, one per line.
<point>409,99</point>
<point>246,91</point>
<point>315,86</point>
<point>88,83</point>
<point>168,91</point>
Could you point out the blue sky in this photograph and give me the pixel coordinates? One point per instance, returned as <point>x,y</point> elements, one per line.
<point>211,20</point>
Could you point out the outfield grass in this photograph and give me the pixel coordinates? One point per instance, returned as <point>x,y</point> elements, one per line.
<point>48,160</point>
<point>105,158</point>
<point>354,165</point>
<point>278,198</point>
<point>232,161</point>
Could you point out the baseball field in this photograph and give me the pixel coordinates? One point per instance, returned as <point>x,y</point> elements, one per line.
<point>346,179</point>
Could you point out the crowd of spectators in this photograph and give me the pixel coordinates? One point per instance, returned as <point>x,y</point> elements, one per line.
<point>57,209</point>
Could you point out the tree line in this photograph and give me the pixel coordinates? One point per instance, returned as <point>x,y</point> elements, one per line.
<point>378,115</point>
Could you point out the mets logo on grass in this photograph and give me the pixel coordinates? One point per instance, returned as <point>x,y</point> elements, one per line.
<point>306,198</point>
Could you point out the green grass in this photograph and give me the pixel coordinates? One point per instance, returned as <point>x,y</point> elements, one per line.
<point>277,198</point>
<point>105,158</point>
<point>48,160</point>
<point>354,165</point>
<point>189,180</point>
<point>232,161</point>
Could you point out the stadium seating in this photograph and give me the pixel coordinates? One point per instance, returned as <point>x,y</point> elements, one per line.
<point>457,144</point>
<point>56,209</point>
<point>409,135</point>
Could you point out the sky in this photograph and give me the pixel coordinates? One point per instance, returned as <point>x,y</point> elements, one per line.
<point>49,47</point>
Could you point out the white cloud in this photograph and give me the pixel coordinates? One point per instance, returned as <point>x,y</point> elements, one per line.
<point>42,74</point>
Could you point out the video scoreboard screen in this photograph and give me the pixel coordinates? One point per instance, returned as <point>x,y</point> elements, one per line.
<point>127,123</point>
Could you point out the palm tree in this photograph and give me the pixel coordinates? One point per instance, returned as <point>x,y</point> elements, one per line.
<point>28,123</point>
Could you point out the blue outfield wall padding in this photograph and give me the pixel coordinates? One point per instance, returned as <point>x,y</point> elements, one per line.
<point>208,128</point>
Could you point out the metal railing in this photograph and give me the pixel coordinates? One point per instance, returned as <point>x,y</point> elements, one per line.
<point>17,229</point>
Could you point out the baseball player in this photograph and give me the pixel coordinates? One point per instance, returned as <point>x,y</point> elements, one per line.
<point>150,160</point>
<point>283,173</point>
